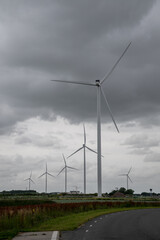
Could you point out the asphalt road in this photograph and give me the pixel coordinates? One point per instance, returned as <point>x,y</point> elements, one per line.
<point>141,224</point>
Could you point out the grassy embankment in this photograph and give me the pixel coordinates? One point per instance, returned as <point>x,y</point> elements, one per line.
<point>57,216</point>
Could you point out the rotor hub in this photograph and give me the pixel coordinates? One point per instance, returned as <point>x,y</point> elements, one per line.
<point>98,83</point>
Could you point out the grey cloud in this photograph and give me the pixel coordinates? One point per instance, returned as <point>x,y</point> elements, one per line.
<point>153,157</point>
<point>15,165</point>
<point>39,141</point>
<point>77,41</point>
<point>141,141</point>
<point>141,144</point>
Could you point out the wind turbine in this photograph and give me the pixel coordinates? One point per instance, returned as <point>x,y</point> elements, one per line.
<point>46,173</point>
<point>98,84</point>
<point>127,175</point>
<point>65,168</point>
<point>29,180</point>
<point>84,152</point>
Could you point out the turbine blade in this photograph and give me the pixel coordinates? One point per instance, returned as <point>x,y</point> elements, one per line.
<point>109,109</point>
<point>112,69</point>
<point>75,152</point>
<point>61,171</point>
<point>64,159</point>
<point>32,181</point>
<point>82,83</point>
<point>26,179</point>
<point>91,150</point>
<point>84,134</point>
<point>129,170</point>
<point>31,174</point>
<point>50,174</point>
<point>72,168</point>
<point>42,175</point>
<point>130,179</point>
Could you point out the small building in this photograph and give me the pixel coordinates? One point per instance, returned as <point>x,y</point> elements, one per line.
<point>74,192</point>
<point>118,195</point>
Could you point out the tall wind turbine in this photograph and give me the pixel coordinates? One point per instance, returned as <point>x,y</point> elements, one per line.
<point>46,173</point>
<point>98,85</point>
<point>127,175</point>
<point>29,180</point>
<point>84,152</point>
<point>65,168</point>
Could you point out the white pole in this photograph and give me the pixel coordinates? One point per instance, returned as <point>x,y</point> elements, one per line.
<point>46,184</point>
<point>99,174</point>
<point>84,168</point>
<point>65,179</point>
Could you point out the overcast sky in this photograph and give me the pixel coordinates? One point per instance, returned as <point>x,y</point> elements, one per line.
<point>40,119</point>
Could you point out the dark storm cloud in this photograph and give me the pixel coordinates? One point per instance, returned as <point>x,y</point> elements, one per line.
<point>77,40</point>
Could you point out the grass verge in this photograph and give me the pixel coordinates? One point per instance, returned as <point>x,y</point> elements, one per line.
<point>68,222</point>
<point>73,221</point>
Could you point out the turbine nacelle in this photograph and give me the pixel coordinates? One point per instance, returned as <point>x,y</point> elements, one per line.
<point>98,83</point>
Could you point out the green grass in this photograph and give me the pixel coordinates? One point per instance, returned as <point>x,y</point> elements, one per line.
<point>67,222</point>
<point>73,221</point>
<point>8,234</point>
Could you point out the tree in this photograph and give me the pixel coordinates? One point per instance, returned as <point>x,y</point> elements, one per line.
<point>122,190</point>
<point>129,192</point>
<point>113,191</point>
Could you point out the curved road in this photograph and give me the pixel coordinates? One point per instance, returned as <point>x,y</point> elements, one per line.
<point>141,224</point>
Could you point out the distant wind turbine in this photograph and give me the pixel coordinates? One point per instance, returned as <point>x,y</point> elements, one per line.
<point>65,168</point>
<point>29,180</point>
<point>84,152</point>
<point>98,85</point>
<point>127,175</point>
<point>46,173</point>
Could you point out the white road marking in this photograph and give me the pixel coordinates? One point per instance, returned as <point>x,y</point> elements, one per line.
<point>86,230</point>
<point>95,221</point>
<point>55,235</point>
<point>90,225</point>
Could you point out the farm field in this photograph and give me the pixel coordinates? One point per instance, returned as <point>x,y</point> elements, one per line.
<point>35,214</point>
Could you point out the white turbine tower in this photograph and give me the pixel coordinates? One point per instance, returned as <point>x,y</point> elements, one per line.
<point>98,84</point>
<point>29,180</point>
<point>65,168</point>
<point>46,173</point>
<point>84,153</point>
<point>127,175</point>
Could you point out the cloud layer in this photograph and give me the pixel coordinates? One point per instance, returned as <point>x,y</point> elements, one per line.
<point>77,41</point>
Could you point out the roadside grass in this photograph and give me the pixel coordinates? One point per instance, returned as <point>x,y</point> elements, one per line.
<point>8,234</point>
<point>67,220</point>
<point>73,221</point>
<point>63,223</point>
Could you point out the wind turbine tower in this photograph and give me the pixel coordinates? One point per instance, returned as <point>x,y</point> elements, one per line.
<point>46,173</point>
<point>127,176</point>
<point>84,146</point>
<point>98,84</point>
<point>65,168</point>
<point>29,181</point>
